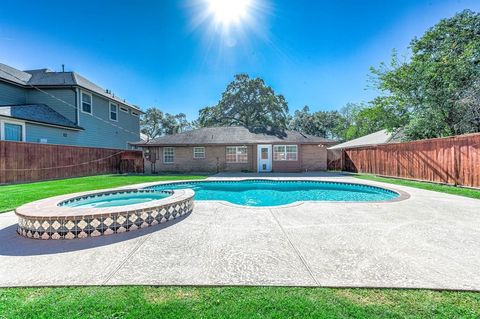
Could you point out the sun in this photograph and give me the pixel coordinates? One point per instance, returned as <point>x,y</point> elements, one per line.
<point>228,12</point>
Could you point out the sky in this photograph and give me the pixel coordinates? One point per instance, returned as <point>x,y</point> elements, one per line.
<point>180,55</point>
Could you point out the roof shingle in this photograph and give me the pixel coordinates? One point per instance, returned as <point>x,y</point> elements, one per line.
<point>46,77</point>
<point>234,135</point>
<point>37,113</point>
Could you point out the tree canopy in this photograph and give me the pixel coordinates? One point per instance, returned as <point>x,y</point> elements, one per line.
<point>434,92</point>
<point>155,123</point>
<point>247,102</point>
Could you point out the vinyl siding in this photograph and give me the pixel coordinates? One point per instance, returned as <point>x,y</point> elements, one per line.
<point>106,133</point>
<point>12,94</point>
<point>35,132</point>
<point>52,97</point>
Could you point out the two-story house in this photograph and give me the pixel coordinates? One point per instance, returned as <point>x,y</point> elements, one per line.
<point>43,106</point>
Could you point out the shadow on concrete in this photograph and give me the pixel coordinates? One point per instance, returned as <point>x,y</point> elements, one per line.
<point>12,244</point>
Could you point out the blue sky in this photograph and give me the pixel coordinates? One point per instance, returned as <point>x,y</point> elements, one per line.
<point>153,53</point>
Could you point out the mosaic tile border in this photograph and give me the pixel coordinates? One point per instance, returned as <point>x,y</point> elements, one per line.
<point>50,218</point>
<point>90,226</point>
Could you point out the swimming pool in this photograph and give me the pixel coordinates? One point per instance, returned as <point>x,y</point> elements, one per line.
<point>277,192</point>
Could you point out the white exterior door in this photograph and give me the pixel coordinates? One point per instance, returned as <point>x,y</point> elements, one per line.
<point>264,158</point>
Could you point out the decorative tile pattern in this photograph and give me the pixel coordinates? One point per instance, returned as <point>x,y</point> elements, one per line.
<point>91,226</point>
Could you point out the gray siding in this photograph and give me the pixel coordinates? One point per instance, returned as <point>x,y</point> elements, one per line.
<point>35,132</point>
<point>12,94</point>
<point>50,99</point>
<point>97,132</point>
<point>106,133</point>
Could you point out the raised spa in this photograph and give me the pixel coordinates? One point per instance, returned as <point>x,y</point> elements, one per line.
<point>276,192</point>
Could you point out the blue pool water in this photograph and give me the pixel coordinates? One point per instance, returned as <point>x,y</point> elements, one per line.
<point>118,199</point>
<point>273,193</point>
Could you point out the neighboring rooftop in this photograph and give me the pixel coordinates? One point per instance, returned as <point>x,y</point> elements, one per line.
<point>235,135</point>
<point>46,77</point>
<point>39,113</point>
<point>380,137</point>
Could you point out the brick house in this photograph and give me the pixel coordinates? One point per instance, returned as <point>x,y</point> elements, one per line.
<point>236,149</point>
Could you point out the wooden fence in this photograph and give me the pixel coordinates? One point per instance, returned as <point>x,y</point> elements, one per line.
<point>453,160</point>
<point>27,162</point>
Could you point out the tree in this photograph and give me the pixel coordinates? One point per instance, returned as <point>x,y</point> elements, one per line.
<point>151,123</point>
<point>431,91</point>
<point>155,123</point>
<point>325,124</point>
<point>249,103</point>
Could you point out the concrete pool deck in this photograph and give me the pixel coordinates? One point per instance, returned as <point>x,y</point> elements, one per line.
<point>430,240</point>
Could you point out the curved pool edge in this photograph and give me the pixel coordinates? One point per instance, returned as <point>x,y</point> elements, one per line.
<point>45,219</point>
<point>402,195</point>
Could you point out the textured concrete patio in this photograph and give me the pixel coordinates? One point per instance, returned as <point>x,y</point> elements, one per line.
<point>431,240</point>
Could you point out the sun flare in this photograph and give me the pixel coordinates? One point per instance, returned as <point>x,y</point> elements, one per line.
<point>227,12</point>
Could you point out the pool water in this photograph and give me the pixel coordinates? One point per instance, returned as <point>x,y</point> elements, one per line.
<point>117,199</point>
<point>273,193</point>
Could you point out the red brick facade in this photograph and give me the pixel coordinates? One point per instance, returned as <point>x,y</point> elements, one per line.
<point>311,157</point>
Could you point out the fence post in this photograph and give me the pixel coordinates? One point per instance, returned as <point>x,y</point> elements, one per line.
<point>456,161</point>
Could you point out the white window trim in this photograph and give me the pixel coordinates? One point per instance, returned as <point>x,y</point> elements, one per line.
<point>2,128</point>
<point>285,159</point>
<point>236,154</point>
<point>135,113</point>
<point>110,111</point>
<point>124,109</point>
<point>173,149</point>
<point>81,102</point>
<point>194,153</point>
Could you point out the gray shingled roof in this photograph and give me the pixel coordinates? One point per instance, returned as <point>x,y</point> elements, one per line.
<point>37,113</point>
<point>46,77</point>
<point>234,135</point>
<point>380,137</point>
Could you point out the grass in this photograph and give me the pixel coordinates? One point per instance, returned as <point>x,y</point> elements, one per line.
<point>12,196</point>
<point>472,193</point>
<point>234,302</point>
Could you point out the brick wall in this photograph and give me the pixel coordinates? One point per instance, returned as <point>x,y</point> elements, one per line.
<point>214,161</point>
<point>310,157</point>
<point>314,158</point>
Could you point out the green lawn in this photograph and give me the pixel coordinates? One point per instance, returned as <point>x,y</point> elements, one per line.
<point>234,302</point>
<point>424,185</point>
<point>12,196</point>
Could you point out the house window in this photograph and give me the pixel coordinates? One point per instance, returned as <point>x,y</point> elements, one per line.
<point>198,152</point>
<point>86,103</point>
<point>285,152</point>
<point>237,154</point>
<point>135,113</point>
<point>123,109</point>
<point>168,155</point>
<point>113,112</point>
<point>13,132</point>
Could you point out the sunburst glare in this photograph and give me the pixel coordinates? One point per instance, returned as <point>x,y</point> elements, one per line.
<point>231,19</point>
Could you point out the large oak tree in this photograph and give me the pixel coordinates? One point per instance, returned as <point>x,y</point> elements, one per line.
<point>247,102</point>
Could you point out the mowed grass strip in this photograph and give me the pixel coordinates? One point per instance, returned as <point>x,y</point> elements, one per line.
<point>461,191</point>
<point>234,302</point>
<point>12,196</point>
